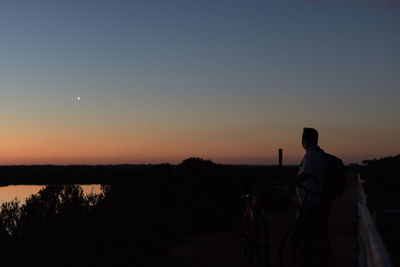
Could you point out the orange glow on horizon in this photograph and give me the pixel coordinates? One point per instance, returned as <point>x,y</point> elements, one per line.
<point>173,144</point>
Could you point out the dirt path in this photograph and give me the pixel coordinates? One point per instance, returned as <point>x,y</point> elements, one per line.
<point>223,249</point>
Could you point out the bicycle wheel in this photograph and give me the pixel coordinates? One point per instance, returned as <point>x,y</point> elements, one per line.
<point>263,248</point>
<point>248,248</point>
<point>287,248</point>
<point>263,255</point>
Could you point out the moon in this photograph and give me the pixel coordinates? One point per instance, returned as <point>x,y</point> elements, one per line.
<point>78,98</point>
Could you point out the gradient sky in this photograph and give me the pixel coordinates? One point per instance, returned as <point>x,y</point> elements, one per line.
<point>226,80</point>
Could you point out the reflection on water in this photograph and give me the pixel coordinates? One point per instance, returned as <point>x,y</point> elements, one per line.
<point>22,192</point>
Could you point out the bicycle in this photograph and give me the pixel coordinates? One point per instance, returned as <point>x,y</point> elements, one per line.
<point>253,235</point>
<point>294,241</point>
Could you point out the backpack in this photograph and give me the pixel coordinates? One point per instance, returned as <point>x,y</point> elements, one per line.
<point>334,173</point>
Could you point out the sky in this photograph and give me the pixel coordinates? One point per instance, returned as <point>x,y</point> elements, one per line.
<point>228,80</point>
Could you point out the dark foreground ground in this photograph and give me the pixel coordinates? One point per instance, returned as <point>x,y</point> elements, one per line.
<point>161,215</point>
<point>223,249</point>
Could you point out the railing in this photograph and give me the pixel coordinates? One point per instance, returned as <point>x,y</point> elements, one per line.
<point>373,252</point>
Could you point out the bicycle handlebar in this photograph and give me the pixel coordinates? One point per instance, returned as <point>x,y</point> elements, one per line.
<point>308,190</point>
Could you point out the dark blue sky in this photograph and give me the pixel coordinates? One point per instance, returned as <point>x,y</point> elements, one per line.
<point>226,80</point>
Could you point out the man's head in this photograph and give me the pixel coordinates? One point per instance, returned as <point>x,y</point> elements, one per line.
<point>309,138</point>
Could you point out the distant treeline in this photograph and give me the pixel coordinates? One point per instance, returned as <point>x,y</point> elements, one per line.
<point>142,210</point>
<point>393,161</point>
<point>102,174</point>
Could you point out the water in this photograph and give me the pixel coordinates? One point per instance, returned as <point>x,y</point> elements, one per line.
<point>22,192</point>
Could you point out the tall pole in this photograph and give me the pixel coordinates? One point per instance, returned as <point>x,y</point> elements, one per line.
<point>280,157</point>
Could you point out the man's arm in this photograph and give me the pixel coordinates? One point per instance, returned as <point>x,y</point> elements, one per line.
<point>307,170</point>
<point>300,178</point>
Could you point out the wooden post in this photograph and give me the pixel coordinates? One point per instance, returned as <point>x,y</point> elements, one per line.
<point>280,157</point>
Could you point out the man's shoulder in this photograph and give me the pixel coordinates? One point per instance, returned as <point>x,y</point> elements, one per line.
<point>314,154</point>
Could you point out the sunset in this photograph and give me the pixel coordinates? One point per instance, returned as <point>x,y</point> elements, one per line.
<point>200,133</point>
<point>160,81</point>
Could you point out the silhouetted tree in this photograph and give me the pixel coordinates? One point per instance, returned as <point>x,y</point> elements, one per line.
<point>194,163</point>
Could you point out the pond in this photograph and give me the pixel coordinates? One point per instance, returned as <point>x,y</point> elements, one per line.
<point>22,192</point>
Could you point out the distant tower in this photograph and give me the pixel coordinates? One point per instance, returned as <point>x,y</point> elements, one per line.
<point>280,157</point>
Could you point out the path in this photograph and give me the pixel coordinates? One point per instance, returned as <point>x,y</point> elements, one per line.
<point>222,249</point>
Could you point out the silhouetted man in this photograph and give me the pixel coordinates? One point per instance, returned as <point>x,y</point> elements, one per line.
<point>313,200</point>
